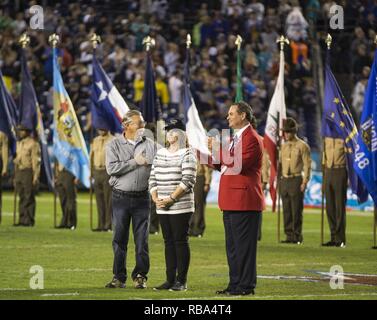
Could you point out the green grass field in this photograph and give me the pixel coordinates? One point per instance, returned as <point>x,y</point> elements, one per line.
<point>77,264</point>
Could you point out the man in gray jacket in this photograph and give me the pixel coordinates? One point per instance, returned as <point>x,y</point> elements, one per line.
<point>128,162</point>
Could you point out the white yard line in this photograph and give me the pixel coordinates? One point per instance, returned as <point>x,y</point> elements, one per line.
<point>59,294</point>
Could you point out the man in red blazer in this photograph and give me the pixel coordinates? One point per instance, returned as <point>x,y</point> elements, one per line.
<point>240,198</point>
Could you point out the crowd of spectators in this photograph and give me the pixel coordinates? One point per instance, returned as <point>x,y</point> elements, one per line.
<point>213,25</point>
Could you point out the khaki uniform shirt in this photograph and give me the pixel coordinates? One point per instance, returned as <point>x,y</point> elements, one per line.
<point>28,156</point>
<point>98,151</point>
<point>295,159</point>
<point>203,170</point>
<point>4,151</point>
<point>335,155</point>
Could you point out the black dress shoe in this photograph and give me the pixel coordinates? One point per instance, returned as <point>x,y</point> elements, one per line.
<point>97,230</point>
<point>287,241</point>
<point>178,286</point>
<point>225,291</point>
<point>340,244</point>
<point>165,286</point>
<point>61,227</point>
<point>329,244</point>
<point>241,292</point>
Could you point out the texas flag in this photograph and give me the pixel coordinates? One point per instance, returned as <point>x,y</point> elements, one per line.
<point>108,106</point>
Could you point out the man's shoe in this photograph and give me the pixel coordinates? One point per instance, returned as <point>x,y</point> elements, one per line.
<point>178,286</point>
<point>165,286</point>
<point>340,244</point>
<point>329,244</point>
<point>115,283</point>
<point>97,230</point>
<point>140,282</point>
<point>225,291</point>
<point>241,292</point>
<point>61,227</point>
<point>286,241</point>
<point>18,225</point>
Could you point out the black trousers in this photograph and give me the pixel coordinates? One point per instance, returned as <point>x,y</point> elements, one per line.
<point>293,206</point>
<point>241,238</point>
<point>65,186</point>
<point>26,192</point>
<point>177,251</point>
<point>336,198</point>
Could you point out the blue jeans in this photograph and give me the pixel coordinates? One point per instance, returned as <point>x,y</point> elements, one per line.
<point>125,209</point>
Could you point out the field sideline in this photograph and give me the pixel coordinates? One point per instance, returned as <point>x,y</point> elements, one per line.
<point>77,264</point>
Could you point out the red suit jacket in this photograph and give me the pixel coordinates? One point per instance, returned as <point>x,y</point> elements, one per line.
<point>240,185</point>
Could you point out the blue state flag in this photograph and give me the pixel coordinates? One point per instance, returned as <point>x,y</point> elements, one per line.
<point>150,104</point>
<point>108,106</point>
<point>366,150</point>
<point>69,144</point>
<point>8,115</point>
<point>31,117</point>
<point>337,122</point>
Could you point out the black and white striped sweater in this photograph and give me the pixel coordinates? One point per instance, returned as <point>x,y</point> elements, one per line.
<point>170,170</point>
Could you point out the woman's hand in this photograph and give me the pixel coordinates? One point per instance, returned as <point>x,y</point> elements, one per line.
<point>164,203</point>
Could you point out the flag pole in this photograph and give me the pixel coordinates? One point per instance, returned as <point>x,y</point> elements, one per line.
<point>15,205</point>
<point>94,39</point>
<point>323,192</point>
<point>238,43</point>
<point>24,41</point>
<point>375,229</point>
<point>375,207</point>
<point>53,40</point>
<point>55,198</point>
<point>282,41</point>
<point>328,42</point>
<point>149,43</point>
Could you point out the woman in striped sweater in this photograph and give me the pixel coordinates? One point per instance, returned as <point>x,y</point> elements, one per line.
<point>171,185</point>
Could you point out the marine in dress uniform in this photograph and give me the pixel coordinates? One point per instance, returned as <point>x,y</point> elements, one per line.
<point>265,180</point>
<point>102,188</point>
<point>66,187</point>
<point>203,182</point>
<point>296,162</point>
<point>26,178</point>
<point>336,190</point>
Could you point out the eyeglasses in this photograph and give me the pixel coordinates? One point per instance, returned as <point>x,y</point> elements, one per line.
<point>139,123</point>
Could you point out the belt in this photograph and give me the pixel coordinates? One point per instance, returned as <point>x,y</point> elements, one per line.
<point>292,175</point>
<point>131,194</point>
<point>337,167</point>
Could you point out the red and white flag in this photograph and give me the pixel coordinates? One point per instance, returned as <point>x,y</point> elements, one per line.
<point>275,117</point>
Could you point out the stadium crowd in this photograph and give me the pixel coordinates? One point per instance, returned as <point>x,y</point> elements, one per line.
<point>213,26</point>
